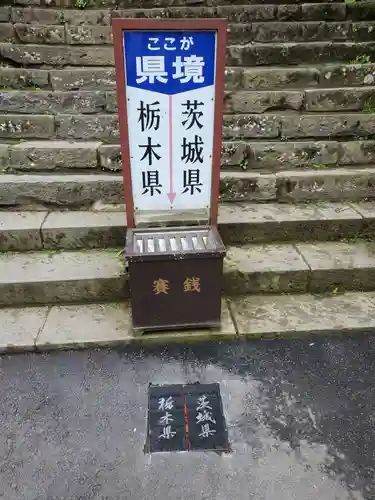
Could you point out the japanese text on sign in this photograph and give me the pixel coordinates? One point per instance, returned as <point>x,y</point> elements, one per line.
<point>162,286</point>
<point>170,101</point>
<point>204,417</point>
<point>169,62</point>
<point>186,418</point>
<point>165,405</point>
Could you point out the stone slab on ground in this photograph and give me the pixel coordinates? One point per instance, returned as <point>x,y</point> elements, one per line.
<point>242,33</point>
<point>53,155</point>
<point>21,230</point>
<point>239,223</point>
<point>357,152</point>
<point>70,230</point>
<point>256,78</point>
<point>90,325</point>
<point>257,54</point>
<point>49,277</point>
<point>45,277</point>
<point>238,186</point>
<point>265,268</point>
<point>340,265</point>
<point>239,155</point>
<point>85,326</point>
<point>97,325</point>
<point>249,126</point>
<point>367,210</point>
<point>4,157</point>
<point>88,127</point>
<point>27,33</point>
<point>325,184</point>
<point>26,126</point>
<point>56,102</point>
<point>352,184</point>
<point>99,13</point>
<point>295,315</point>
<point>263,101</point>
<point>20,327</point>
<point>339,99</point>
<point>59,190</point>
<point>278,156</point>
<point>83,79</point>
<point>23,78</point>
<point>57,55</point>
<point>287,268</point>
<point>256,316</point>
<point>244,154</point>
<point>74,125</point>
<point>5,13</point>
<point>60,15</point>
<point>329,125</point>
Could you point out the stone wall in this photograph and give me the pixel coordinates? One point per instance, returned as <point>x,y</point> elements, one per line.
<point>300,83</point>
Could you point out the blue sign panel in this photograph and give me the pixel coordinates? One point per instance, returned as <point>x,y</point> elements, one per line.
<point>169,62</point>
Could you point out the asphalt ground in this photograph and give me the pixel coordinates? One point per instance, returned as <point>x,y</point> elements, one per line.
<point>300,417</point>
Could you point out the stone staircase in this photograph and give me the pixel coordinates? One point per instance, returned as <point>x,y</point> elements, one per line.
<point>298,166</point>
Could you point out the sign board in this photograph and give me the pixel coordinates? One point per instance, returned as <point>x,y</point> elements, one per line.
<point>170,84</point>
<point>186,418</point>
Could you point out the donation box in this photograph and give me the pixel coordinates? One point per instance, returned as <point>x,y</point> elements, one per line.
<point>175,277</point>
<point>170,92</point>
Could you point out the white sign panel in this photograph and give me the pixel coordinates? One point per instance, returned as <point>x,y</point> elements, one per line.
<point>170,91</point>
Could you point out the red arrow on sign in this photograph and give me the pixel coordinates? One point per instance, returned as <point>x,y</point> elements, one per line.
<point>171,195</point>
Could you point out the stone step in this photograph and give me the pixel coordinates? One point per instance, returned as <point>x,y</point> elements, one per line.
<point>255,316</point>
<point>252,11</point>
<point>292,186</point>
<point>254,54</point>
<point>276,316</point>
<point>283,126</point>
<point>44,277</point>
<point>270,156</point>
<point>265,101</point>
<point>89,325</point>
<point>59,191</point>
<point>278,125</point>
<point>290,31</point>
<point>303,267</point>
<point>255,78</point>
<point>236,102</point>
<point>82,191</point>
<point>264,78</point>
<point>265,54</point>
<point>340,99</point>
<point>270,31</point>
<point>48,277</point>
<point>239,223</point>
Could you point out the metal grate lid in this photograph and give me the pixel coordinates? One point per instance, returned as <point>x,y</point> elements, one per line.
<point>173,242</point>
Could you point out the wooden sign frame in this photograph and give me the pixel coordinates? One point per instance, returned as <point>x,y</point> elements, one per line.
<point>173,25</point>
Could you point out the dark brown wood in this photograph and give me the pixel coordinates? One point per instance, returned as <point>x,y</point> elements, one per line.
<point>180,289</point>
<point>176,308</point>
<point>117,27</point>
<point>218,119</point>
